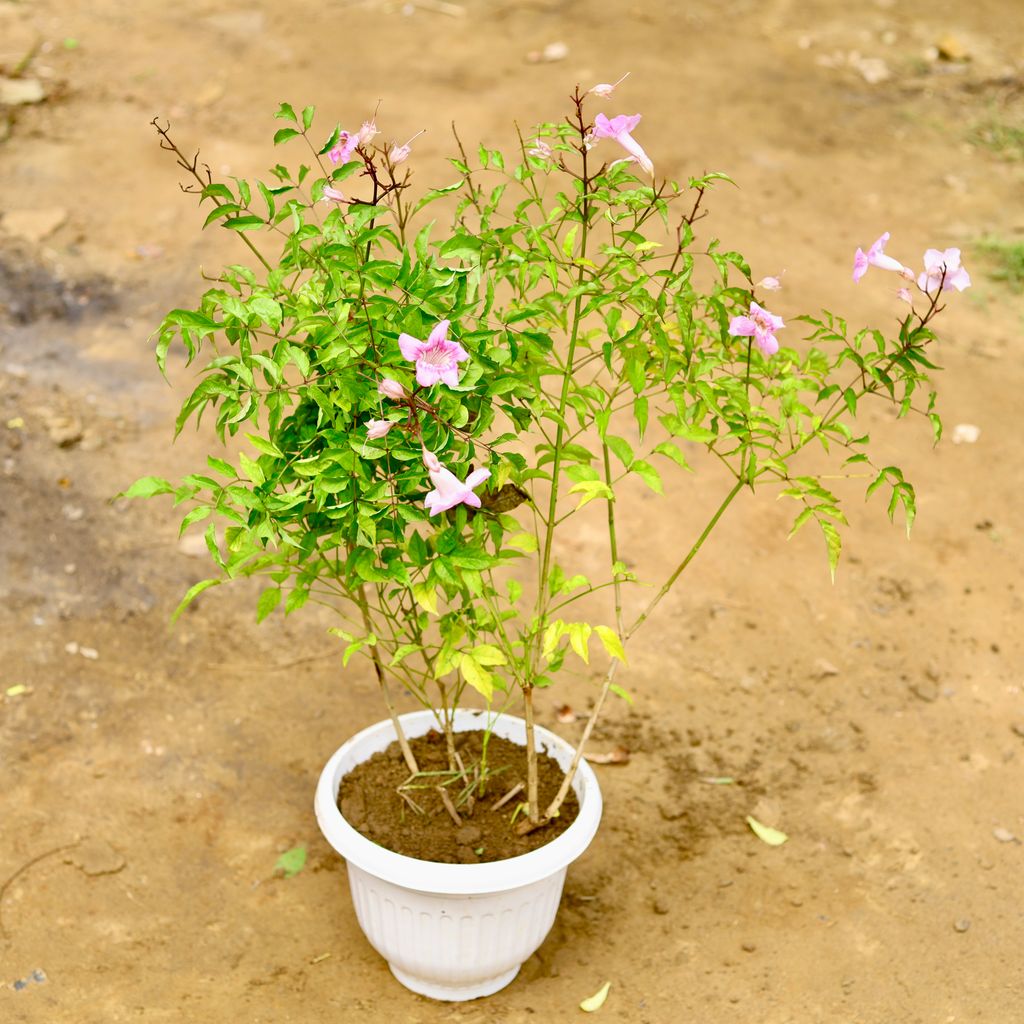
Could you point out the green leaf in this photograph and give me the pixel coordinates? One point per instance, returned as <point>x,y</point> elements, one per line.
<point>261,444</point>
<point>292,861</point>
<point>191,594</point>
<point>146,487</point>
<point>834,544</point>
<point>648,474</point>
<point>621,449</point>
<point>767,834</point>
<point>307,117</point>
<point>670,451</point>
<point>620,692</point>
<point>284,134</point>
<point>286,112</point>
<point>251,469</point>
<point>612,644</point>
<point>269,600</point>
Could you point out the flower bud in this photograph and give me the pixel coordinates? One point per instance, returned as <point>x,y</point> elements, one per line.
<point>391,389</point>
<point>376,429</point>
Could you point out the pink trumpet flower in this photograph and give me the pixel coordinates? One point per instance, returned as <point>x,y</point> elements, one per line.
<point>760,325</point>
<point>376,429</point>
<point>399,154</point>
<point>875,257</point>
<point>332,195</point>
<point>942,269</point>
<point>389,388</point>
<point>604,89</point>
<point>342,150</point>
<point>619,129</point>
<point>770,284</point>
<point>367,133</point>
<point>449,491</point>
<point>541,150</point>
<point>436,359</point>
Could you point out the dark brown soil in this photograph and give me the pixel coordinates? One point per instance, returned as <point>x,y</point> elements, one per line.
<point>370,798</point>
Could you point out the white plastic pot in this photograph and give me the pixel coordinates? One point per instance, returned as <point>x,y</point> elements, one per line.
<point>454,931</point>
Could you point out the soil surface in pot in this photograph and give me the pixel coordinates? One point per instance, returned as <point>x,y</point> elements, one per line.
<point>370,800</point>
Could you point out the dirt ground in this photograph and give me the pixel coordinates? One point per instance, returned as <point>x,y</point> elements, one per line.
<point>150,779</point>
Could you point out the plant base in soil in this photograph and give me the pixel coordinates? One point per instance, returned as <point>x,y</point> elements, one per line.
<point>371,800</point>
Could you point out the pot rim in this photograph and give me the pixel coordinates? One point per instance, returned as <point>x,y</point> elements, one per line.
<point>452,879</point>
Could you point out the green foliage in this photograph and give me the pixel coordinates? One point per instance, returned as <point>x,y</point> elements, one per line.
<point>596,360</point>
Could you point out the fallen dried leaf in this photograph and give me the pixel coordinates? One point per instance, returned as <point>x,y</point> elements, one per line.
<point>565,714</point>
<point>596,1001</point>
<point>767,834</point>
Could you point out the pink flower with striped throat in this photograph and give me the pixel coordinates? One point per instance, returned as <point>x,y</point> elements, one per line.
<point>760,325</point>
<point>943,269</point>
<point>436,359</point>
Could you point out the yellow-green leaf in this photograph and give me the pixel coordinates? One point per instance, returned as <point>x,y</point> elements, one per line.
<point>596,1001</point>
<point>579,638</point>
<point>525,542</point>
<point>488,654</point>
<point>251,469</point>
<point>591,489</point>
<point>612,643</point>
<point>551,637</point>
<point>426,597</point>
<point>477,676</point>
<point>767,834</point>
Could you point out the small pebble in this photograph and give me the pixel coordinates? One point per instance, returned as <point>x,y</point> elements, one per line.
<point>661,906</point>
<point>1004,835</point>
<point>748,947</point>
<point>962,924</point>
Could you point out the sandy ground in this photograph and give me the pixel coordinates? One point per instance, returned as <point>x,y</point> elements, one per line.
<point>148,790</point>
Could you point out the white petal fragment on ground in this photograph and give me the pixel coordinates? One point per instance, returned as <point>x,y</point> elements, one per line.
<point>767,834</point>
<point>966,433</point>
<point>617,755</point>
<point>596,1001</point>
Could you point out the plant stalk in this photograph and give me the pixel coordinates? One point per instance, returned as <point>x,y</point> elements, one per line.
<point>403,743</point>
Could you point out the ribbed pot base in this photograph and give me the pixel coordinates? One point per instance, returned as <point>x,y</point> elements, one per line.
<point>453,993</point>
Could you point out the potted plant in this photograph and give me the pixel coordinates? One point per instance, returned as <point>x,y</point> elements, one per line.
<point>426,412</point>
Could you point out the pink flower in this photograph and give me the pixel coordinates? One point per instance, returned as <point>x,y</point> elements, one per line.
<point>540,149</point>
<point>942,269</point>
<point>376,429</point>
<point>367,133</point>
<point>399,154</point>
<point>341,152</point>
<point>760,325</point>
<point>448,490</point>
<point>332,195</point>
<point>904,296</point>
<point>875,257</point>
<point>604,89</point>
<point>770,284</point>
<point>619,128</point>
<point>436,359</point>
<point>391,389</point>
